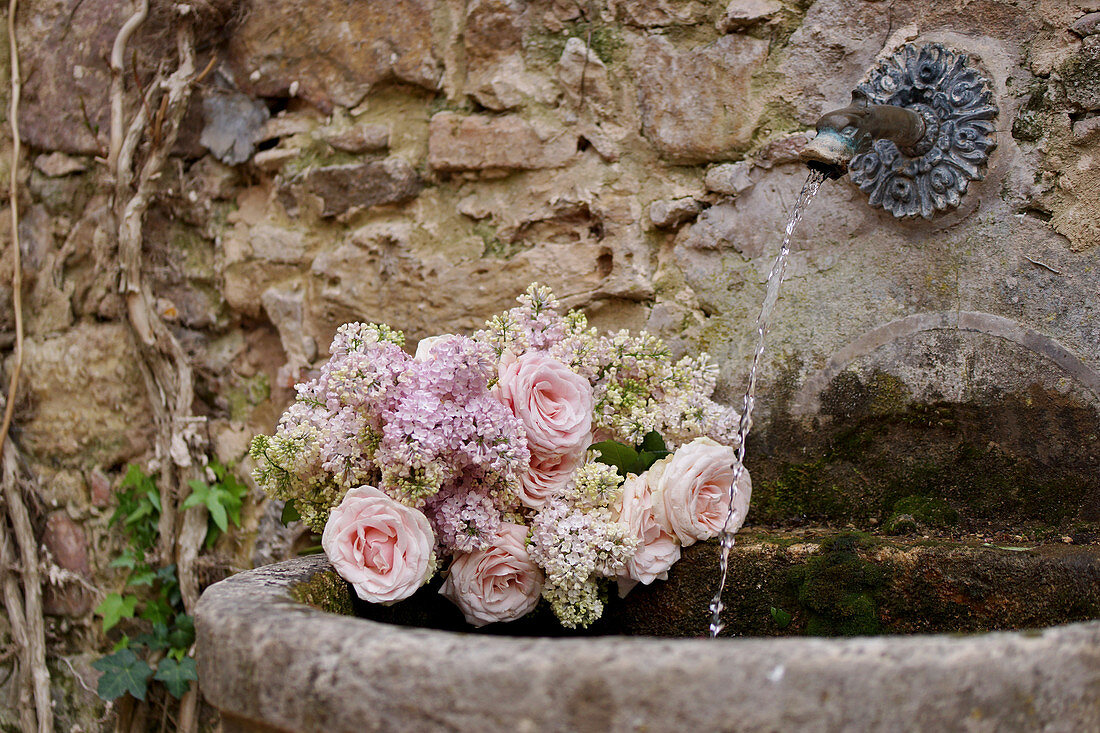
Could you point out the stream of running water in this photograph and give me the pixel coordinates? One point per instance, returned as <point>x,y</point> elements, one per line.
<point>775,280</point>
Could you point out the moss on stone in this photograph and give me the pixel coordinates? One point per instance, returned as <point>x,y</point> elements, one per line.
<point>605,41</point>
<point>247,393</point>
<point>1005,465</point>
<point>913,513</point>
<point>325,591</point>
<point>836,587</point>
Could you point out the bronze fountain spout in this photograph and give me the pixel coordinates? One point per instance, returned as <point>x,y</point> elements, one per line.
<point>844,133</point>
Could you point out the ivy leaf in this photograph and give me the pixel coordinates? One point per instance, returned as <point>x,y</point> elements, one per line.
<point>123,673</point>
<point>155,641</point>
<point>158,611</point>
<point>145,576</point>
<point>126,560</point>
<point>182,635</point>
<point>619,455</point>
<point>290,514</point>
<point>782,618</point>
<point>177,676</point>
<point>114,608</point>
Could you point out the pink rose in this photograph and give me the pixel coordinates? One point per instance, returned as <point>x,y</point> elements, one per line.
<point>547,477</point>
<point>657,549</point>
<point>501,583</point>
<point>555,405</point>
<point>691,494</point>
<point>383,548</point>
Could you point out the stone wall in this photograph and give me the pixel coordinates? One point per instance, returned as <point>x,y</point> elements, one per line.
<point>419,162</point>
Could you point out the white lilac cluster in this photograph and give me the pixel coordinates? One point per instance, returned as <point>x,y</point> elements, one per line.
<point>479,450</point>
<point>578,541</point>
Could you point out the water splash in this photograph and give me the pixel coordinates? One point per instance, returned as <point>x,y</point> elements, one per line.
<point>775,279</point>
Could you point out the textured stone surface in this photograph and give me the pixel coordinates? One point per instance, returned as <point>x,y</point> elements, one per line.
<point>697,105</point>
<point>267,659</point>
<point>673,212</point>
<point>231,124</point>
<point>65,68</point>
<point>67,545</point>
<point>477,142</point>
<point>86,395</point>
<point>334,51</point>
<point>729,179</point>
<point>353,186</point>
<point>742,14</point>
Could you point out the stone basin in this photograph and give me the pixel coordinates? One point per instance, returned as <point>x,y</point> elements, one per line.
<point>272,658</point>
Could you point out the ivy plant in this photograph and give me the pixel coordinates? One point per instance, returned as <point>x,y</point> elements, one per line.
<point>157,634</point>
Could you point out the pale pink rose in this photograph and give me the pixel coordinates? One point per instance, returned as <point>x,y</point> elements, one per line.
<point>547,477</point>
<point>553,401</point>
<point>383,548</point>
<point>657,549</point>
<point>501,583</point>
<point>555,405</point>
<point>691,495</point>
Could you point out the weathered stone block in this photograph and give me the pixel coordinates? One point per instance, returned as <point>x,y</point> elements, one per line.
<point>88,396</point>
<point>697,105</point>
<point>353,186</point>
<point>334,50</point>
<point>477,142</point>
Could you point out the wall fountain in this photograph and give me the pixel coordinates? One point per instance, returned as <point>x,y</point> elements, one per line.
<point>918,132</point>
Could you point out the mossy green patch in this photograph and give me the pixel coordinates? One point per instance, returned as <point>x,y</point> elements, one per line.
<point>915,512</point>
<point>605,41</point>
<point>325,591</point>
<point>836,588</point>
<point>247,393</point>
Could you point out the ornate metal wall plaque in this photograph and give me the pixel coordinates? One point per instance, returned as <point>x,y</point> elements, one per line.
<point>956,104</point>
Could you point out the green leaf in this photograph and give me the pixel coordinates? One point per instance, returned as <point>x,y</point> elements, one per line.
<point>619,455</point>
<point>199,494</point>
<point>156,640</point>
<point>167,575</point>
<point>182,635</point>
<point>126,560</point>
<point>123,673</point>
<point>653,442</point>
<point>648,457</point>
<point>177,676</point>
<point>145,576</point>
<point>114,608</point>
<point>158,611</point>
<point>217,513</point>
<point>782,618</point>
<point>290,514</point>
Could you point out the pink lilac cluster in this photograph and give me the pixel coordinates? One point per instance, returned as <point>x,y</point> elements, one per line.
<point>479,450</point>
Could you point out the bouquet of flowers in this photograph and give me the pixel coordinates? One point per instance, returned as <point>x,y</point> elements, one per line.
<point>535,459</point>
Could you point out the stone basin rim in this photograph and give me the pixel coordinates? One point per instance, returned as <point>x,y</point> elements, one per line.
<point>279,664</point>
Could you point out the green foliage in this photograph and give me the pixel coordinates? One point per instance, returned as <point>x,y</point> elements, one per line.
<point>123,672</point>
<point>151,604</point>
<point>177,675</point>
<point>632,459</point>
<point>114,608</point>
<point>223,499</point>
<point>782,618</point>
<point>138,503</point>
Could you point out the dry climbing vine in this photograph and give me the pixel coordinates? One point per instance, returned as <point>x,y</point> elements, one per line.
<point>22,600</point>
<point>138,149</point>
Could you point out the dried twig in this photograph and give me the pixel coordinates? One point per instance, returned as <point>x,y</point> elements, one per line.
<point>24,609</point>
<point>118,53</point>
<point>1043,265</point>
